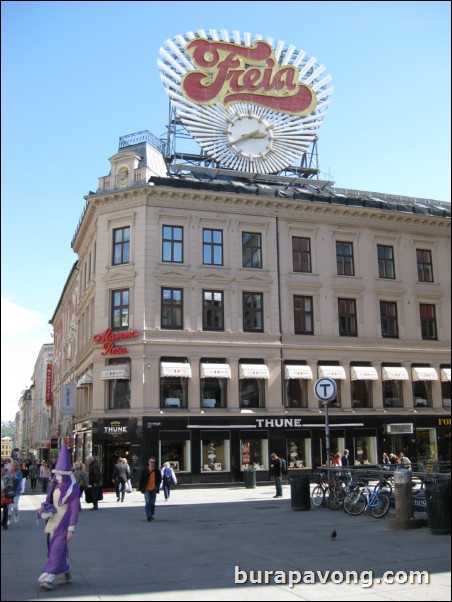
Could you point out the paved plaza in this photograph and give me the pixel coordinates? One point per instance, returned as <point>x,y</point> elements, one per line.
<point>203,540</point>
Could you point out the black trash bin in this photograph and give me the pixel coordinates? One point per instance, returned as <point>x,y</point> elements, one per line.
<point>250,478</point>
<point>300,492</point>
<point>437,494</point>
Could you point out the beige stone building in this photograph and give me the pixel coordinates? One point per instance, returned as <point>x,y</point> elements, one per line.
<point>205,305</point>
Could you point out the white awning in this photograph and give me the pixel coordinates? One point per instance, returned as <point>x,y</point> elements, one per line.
<point>336,372</point>
<point>445,374</point>
<point>395,373</point>
<point>297,372</point>
<point>254,371</point>
<point>86,379</point>
<point>119,371</point>
<point>364,373</point>
<point>181,369</point>
<point>424,374</point>
<point>215,371</point>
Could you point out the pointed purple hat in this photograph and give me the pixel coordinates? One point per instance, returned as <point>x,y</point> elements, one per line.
<point>63,465</point>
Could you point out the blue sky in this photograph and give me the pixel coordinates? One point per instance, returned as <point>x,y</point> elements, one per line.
<point>78,75</point>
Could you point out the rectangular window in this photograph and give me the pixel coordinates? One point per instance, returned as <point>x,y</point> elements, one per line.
<point>118,394</point>
<point>121,246</point>
<point>428,321</point>
<point>215,454</point>
<point>347,318</point>
<point>344,259</point>
<point>212,247</point>
<point>388,319</point>
<point>424,265</point>
<point>212,310</point>
<point>301,254</point>
<point>253,313</point>
<point>251,250</point>
<point>303,315</point>
<point>172,244</point>
<point>172,308</point>
<point>120,309</point>
<point>385,261</point>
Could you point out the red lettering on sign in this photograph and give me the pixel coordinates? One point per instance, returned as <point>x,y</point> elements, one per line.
<point>232,73</point>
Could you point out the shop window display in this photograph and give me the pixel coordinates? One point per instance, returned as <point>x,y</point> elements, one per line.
<point>365,450</point>
<point>177,453</point>
<point>254,454</point>
<point>215,456</point>
<point>299,453</point>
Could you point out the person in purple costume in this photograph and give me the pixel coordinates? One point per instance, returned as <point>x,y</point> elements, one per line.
<point>64,497</point>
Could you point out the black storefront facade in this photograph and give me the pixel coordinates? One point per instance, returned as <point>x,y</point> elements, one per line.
<point>217,450</point>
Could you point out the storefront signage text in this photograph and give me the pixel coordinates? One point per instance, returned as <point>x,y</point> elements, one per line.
<point>232,73</point>
<point>444,421</point>
<point>278,422</point>
<point>115,429</point>
<point>108,338</point>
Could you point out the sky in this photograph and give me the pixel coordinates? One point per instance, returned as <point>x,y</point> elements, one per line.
<point>75,76</point>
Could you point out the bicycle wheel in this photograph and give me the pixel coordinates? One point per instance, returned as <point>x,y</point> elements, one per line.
<point>384,486</point>
<point>381,506</point>
<point>318,496</point>
<point>354,503</point>
<point>336,499</point>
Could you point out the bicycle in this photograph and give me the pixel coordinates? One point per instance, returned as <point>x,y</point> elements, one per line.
<point>356,502</point>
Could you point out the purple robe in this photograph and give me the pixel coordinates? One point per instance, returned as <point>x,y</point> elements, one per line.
<point>66,498</point>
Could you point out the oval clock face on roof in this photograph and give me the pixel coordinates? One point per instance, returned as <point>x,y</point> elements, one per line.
<point>251,104</point>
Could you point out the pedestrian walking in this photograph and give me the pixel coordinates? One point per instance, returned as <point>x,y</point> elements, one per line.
<point>95,480</point>
<point>61,510</point>
<point>149,485</point>
<point>121,475</point>
<point>168,478</point>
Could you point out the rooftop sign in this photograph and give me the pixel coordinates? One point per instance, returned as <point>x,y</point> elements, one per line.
<point>251,104</point>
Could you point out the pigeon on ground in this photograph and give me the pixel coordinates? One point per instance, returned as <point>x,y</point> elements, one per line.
<point>333,534</point>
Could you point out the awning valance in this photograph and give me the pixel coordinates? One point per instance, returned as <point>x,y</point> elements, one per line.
<point>364,373</point>
<point>336,372</point>
<point>445,374</point>
<point>254,371</point>
<point>297,371</point>
<point>424,374</point>
<point>394,373</point>
<point>118,371</point>
<point>215,371</point>
<point>181,369</point>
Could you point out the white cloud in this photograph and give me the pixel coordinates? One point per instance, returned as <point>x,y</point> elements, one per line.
<point>23,331</point>
<point>18,320</point>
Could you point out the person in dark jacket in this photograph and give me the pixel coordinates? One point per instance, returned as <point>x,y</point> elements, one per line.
<point>149,484</point>
<point>121,475</point>
<point>276,467</point>
<point>95,480</point>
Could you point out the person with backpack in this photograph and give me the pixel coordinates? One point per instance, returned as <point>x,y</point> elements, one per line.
<point>277,467</point>
<point>168,477</point>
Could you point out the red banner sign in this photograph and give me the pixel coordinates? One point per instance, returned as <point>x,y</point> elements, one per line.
<point>49,384</point>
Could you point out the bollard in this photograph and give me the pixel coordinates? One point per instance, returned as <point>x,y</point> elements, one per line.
<point>403,517</point>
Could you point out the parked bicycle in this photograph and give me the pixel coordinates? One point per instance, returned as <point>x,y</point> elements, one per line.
<point>356,502</point>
